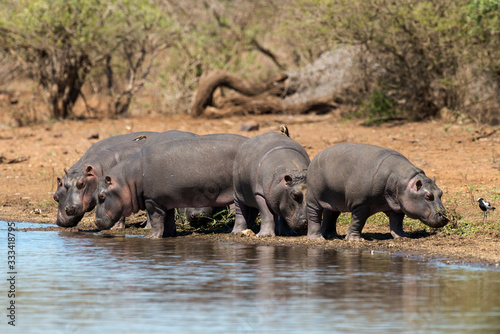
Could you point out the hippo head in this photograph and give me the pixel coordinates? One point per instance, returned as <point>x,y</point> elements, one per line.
<point>63,219</point>
<point>198,216</point>
<point>114,200</point>
<point>291,195</point>
<point>81,185</point>
<point>421,199</point>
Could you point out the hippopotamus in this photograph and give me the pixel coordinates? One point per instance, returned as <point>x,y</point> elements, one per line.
<point>192,172</point>
<point>61,192</point>
<point>80,180</point>
<point>364,180</point>
<point>270,177</point>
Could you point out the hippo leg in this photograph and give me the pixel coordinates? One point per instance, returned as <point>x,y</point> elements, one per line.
<point>147,223</point>
<point>358,219</point>
<point>162,221</point>
<point>169,224</point>
<point>396,224</point>
<point>329,224</point>
<point>241,217</point>
<point>120,225</point>
<point>282,227</point>
<point>267,224</point>
<point>314,223</point>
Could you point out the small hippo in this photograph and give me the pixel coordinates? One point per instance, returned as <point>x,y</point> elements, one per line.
<point>191,172</point>
<point>364,180</point>
<point>270,177</point>
<point>80,180</point>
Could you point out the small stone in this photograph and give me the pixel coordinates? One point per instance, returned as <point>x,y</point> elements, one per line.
<point>247,233</point>
<point>250,126</point>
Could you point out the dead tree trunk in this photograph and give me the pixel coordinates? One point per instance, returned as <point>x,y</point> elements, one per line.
<point>252,98</point>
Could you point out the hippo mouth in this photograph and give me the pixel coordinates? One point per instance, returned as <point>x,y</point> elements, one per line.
<point>436,220</point>
<point>104,223</point>
<point>299,225</point>
<point>64,220</point>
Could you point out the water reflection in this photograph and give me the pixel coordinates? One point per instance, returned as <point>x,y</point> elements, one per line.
<point>79,283</point>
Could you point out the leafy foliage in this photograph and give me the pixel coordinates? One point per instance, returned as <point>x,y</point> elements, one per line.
<point>420,44</point>
<point>62,41</point>
<point>422,47</point>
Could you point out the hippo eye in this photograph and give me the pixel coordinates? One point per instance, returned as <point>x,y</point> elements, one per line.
<point>102,197</point>
<point>80,184</point>
<point>429,196</point>
<point>56,198</point>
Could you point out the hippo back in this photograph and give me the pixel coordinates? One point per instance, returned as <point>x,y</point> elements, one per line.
<point>191,172</point>
<point>262,159</point>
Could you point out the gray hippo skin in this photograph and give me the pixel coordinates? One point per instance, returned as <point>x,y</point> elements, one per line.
<point>63,219</point>
<point>270,178</point>
<point>81,181</point>
<point>364,180</point>
<point>192,172</point>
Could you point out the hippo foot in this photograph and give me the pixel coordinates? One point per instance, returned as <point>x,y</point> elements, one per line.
<point>262,234</point>
<point>155,235</point>
<point>119,226</point>
<point>330,236</point>
<point>354,237</point>
<point>399,235</point>
<point>315,236</point>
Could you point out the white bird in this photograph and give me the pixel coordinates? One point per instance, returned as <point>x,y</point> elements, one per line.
<point>485,206</point>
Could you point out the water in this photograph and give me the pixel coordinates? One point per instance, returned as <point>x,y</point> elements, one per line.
<point>89,283</point>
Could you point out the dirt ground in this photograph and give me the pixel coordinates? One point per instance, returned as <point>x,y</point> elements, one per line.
<point>465,166</point>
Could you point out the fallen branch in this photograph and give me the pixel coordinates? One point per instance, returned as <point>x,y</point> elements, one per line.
<point>253,98</point>
<point>4,160</point>
<point>481,136</point>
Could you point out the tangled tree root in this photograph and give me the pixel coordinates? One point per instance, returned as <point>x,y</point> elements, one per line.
<point>251,98</point>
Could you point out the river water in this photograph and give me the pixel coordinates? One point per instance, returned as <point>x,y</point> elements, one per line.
<point>89,283</point>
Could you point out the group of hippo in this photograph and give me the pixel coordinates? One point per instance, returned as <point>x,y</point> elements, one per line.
<point>270,174</point>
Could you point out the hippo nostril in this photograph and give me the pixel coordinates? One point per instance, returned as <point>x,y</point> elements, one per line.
<point>70,210</point>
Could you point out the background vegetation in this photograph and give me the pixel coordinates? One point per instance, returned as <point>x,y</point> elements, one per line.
<point>117,57</point>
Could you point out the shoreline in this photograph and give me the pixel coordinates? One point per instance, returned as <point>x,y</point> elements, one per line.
<point>436,245</point>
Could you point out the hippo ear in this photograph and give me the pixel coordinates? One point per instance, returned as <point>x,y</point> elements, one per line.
<point>90,171</point>
<point>288,179</point>
<point>434,179</point>
<point>416,185</point>
<point>65,171</point>
<point>107,179</point>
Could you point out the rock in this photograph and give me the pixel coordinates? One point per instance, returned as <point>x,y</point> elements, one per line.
<point>250,126</point>
<point>247,233</point>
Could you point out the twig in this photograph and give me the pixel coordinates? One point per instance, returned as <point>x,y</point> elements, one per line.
<point>485,135</point>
